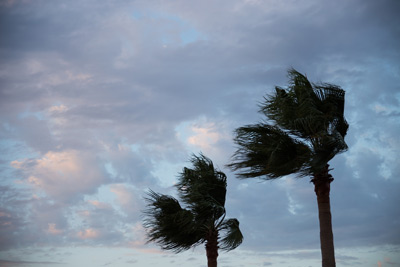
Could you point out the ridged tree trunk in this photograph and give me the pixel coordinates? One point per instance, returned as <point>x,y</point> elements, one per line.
<point>322,183</point>
<point>212,249</point>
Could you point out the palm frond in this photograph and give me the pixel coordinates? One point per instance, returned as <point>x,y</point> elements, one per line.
<point>267,151</point>
<point>232,237</point>
<point>305,109</point>
<point>325,148</point>
<point>332,103</point>
<point>305,114</point>
<point>294,109</point>
<point>169,225</point>
<point>203,187</point>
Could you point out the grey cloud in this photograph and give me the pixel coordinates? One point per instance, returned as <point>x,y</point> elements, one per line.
<point>369,194</point>
<point>261,206</point>
<point>8,263</point>
<point>14,208</point>
<point>36,133</point>
<point>348,260</point>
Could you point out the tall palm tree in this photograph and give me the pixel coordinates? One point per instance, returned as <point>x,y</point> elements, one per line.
<point>304,131</point>
<point>202,189</point>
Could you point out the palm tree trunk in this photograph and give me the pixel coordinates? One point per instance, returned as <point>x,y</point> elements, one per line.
<point>212,249</point>
<point>322,183</point>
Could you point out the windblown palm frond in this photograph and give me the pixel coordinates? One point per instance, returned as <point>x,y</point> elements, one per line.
<point>203,188</point>
<point>305,109</point>
<point>169,225</point>
<point>303,115</point>
<point>231,235</point>
<point>267,151</point>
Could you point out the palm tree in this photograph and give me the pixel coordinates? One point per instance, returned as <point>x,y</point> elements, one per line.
<point>305,130</point>
<point>202,189</point>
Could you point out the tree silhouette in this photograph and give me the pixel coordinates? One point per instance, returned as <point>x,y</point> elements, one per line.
<point>202,189</point>
<point>304,131</point>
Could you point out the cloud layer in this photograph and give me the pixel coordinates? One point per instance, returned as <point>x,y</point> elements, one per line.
<point>100,101</point>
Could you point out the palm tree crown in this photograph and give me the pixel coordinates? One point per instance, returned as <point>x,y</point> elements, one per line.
<point>305,130</point>
<point>202,190</point>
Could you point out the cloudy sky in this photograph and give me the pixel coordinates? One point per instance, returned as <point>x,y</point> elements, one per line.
<point>101,100</point>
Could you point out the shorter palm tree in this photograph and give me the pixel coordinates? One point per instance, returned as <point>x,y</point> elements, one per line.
<point>202,189</point>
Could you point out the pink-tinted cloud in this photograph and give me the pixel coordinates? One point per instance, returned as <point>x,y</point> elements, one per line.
<point>52,229</point>
<point>62,175</point>
<point>99,204</point>
<point>127,198</point>
<point>5,219</point>
<point>89,233</point>
<point>138,241</point>
<point>204,136</point>
<point>209,137</point>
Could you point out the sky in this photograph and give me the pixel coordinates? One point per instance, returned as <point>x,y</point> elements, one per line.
<point>101,101</point>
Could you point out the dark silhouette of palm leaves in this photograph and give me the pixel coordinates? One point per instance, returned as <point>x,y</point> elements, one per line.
<point>305,130</point>
<point>169,225</point>
<point>202,190</point>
